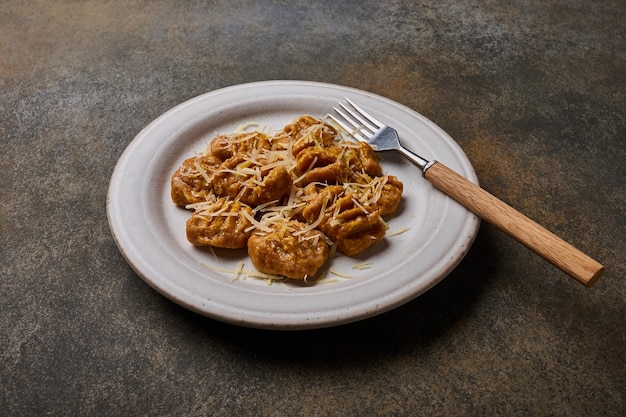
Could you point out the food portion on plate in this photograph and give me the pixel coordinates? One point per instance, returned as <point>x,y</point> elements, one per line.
<point>292,198</point>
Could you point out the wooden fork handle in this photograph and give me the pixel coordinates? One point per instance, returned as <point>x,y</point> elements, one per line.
<point>543,242</point>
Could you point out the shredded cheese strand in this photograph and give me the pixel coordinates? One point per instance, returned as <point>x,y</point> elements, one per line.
<point>398,232</point>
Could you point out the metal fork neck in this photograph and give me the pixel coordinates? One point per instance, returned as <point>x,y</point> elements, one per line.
<point>422,163</point>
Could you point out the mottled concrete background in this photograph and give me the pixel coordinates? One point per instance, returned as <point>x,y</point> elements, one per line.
<point>533,91</point>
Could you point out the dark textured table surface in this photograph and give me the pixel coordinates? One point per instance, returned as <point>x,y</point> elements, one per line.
<point>534,93</point>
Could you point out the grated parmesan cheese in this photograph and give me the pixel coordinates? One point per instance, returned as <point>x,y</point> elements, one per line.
<point>340,274</point>
<point>276,215</point>
<point>399,231</point>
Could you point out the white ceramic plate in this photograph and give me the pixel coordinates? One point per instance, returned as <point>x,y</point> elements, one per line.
<point>150,230</point>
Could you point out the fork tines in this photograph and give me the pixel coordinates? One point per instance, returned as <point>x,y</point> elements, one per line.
<point>359,123</point>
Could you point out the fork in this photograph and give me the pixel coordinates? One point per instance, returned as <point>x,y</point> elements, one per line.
<point>364,127</point>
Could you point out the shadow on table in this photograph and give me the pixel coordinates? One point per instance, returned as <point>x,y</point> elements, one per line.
<point>415,323</point>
